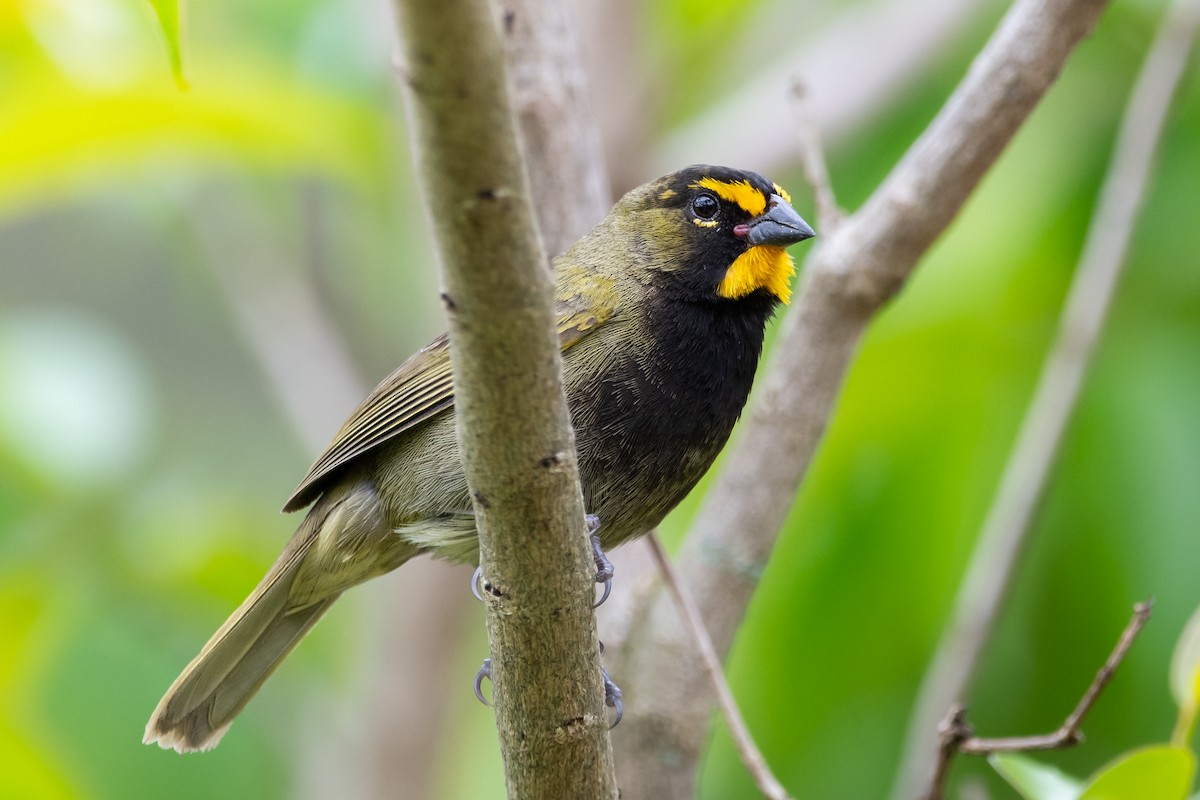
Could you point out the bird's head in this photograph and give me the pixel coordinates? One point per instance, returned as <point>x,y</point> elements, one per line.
<point>714,233</point>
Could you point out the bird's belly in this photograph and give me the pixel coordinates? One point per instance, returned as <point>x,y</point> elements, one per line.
<point>643,448</point>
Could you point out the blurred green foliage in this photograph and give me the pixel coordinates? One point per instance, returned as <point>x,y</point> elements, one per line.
<point>170,15</point>
<point>1146,773</point>
<point>143,454</point>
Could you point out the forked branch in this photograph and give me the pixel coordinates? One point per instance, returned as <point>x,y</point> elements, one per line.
<point>956,736</point>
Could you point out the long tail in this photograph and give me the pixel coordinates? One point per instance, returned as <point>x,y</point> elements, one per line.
<point>202,702</point>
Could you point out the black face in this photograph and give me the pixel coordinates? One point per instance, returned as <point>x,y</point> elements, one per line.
<point>714,207</point>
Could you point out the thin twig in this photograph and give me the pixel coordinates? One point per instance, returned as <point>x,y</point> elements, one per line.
<point>955,734</point>
<point>812,160</point>
<point>852,57</point>
<point>1007,525</point>
<point>752,757</point>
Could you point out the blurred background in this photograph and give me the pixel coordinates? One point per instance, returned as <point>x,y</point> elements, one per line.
<point>196,287</point>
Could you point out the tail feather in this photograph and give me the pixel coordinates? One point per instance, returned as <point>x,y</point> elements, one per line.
<point>256,666</point>
<point>202,702</point>
<point>189,719</point>
<point>347,540</point>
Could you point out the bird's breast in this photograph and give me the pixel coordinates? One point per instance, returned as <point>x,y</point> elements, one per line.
<point>652,416</point>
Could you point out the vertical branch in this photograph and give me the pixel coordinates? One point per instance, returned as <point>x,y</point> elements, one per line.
<point>850,275</point>
<point>1006,528</point>
<point>514,431</point>
<point>281,319</point>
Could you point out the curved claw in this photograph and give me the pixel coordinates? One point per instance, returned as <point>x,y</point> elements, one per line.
<point>603,597</point>
<point>475,576</point>
<point>612,697</point>
<point>486,672</point>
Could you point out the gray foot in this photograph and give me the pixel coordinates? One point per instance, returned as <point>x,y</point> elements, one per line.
<point>604,567</point>
<point>612,692</point>
<point>612,697</point>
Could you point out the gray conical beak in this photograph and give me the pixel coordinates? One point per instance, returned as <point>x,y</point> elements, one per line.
<point>780,226</point>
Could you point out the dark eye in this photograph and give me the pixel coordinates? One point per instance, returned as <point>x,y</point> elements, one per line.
<point>705,206</point>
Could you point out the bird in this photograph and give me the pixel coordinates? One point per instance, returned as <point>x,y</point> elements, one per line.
<point>660,310</point>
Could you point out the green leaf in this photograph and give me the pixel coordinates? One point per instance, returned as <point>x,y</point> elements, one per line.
<point>169,14</point>
<point>57,139</point>
<point>1034,780</point>
<point>1185,664</point>
<point>1151,773</point>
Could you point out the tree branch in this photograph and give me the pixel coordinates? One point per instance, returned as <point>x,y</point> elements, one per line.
<point>956,736</point>
<point>1006,528</point>
<point>514,430</point>
<point>848,277</point>
<point>562,143</point>
<point>281,318</point>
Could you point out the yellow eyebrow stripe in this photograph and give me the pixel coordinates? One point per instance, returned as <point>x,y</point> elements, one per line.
<point>741,192</point>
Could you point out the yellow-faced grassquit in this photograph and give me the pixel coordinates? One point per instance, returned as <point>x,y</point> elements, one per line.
<point>661,310</point>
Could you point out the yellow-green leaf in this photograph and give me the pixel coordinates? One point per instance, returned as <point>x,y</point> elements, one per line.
<point>1151,773</point>
<point>169,14</point>
<point>1185,664</point>
<point>1185,680</point>
<point>1034,780</point>
<point>58,138</point>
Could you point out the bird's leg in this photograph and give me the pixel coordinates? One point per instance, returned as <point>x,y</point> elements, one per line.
<point>604,567</point>
<point>612,697</point>
<point>604,574</point>
<point>612,693</point>
<point>486,672</point>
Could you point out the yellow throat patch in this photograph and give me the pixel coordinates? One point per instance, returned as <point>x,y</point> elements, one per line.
<point>761,267</point>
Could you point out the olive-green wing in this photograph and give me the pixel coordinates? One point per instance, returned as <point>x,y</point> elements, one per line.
<point>422,387</point>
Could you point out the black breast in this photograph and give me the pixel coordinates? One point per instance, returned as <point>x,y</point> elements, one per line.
<point>653,425</point>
